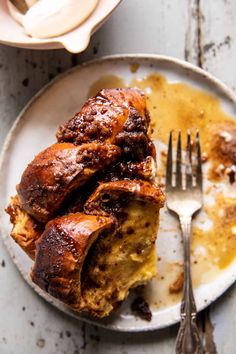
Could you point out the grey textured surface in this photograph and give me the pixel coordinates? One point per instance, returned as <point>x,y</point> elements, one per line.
<point>201,32</point>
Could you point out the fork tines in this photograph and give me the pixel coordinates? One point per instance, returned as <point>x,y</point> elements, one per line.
<point>193,167</point>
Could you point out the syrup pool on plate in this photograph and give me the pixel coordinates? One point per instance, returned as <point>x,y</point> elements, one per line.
<point>179,106</point>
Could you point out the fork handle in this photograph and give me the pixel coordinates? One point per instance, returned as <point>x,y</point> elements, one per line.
<point>188,339</point>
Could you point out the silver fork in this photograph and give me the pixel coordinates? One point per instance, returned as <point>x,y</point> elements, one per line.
<point>184,198</point>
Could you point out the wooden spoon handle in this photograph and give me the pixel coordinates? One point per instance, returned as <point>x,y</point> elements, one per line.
<point>21,5</point>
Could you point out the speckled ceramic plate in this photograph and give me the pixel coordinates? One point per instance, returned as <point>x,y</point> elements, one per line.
<point>35,129</point>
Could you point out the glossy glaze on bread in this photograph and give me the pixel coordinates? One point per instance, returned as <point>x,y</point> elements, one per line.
<point>61,251</point>
<point>87,209</point>
<point>104,116</point>
<point>59,170</point>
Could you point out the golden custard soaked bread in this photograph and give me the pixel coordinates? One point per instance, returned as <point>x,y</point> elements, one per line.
<point>26,230</point>
<point>91,261</point>
<point>87,209</point>
<point>126,258</point>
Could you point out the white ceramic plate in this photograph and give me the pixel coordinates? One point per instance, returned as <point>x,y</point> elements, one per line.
<point>75,41</point>
<point>35,129</point>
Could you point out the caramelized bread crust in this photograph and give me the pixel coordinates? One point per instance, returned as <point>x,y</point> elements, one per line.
<point>91,261</point>
<point>145,169</point>
<point>109,198</point>
<point>103,116</point>
<point>26,230</point>
<point>61,251</point>
<point>57,171</point>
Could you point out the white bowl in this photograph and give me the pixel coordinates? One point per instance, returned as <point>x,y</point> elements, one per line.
<point>75,41</point>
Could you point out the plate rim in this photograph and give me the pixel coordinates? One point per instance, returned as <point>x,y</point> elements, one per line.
<point>7,142</point>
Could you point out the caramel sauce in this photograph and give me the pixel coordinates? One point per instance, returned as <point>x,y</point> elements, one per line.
<point>108,81</point>
<point>134,67</point>
<point>178,106</point>
<point>157,292</point>
<point>220,240</point>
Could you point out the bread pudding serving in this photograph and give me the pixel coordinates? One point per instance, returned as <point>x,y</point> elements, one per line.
<point>87,207</point>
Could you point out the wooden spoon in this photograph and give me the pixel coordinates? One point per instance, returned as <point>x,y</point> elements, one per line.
<point>21,5</point>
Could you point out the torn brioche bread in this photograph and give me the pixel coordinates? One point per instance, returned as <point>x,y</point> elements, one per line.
<point>91,261</point>
<point>104,116</point>
<point>87,208</point>
<point>126,258</point>
<point>59,170</point>
<point>115,116</point>
<point>26,230</point>
<point>61,252</point>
